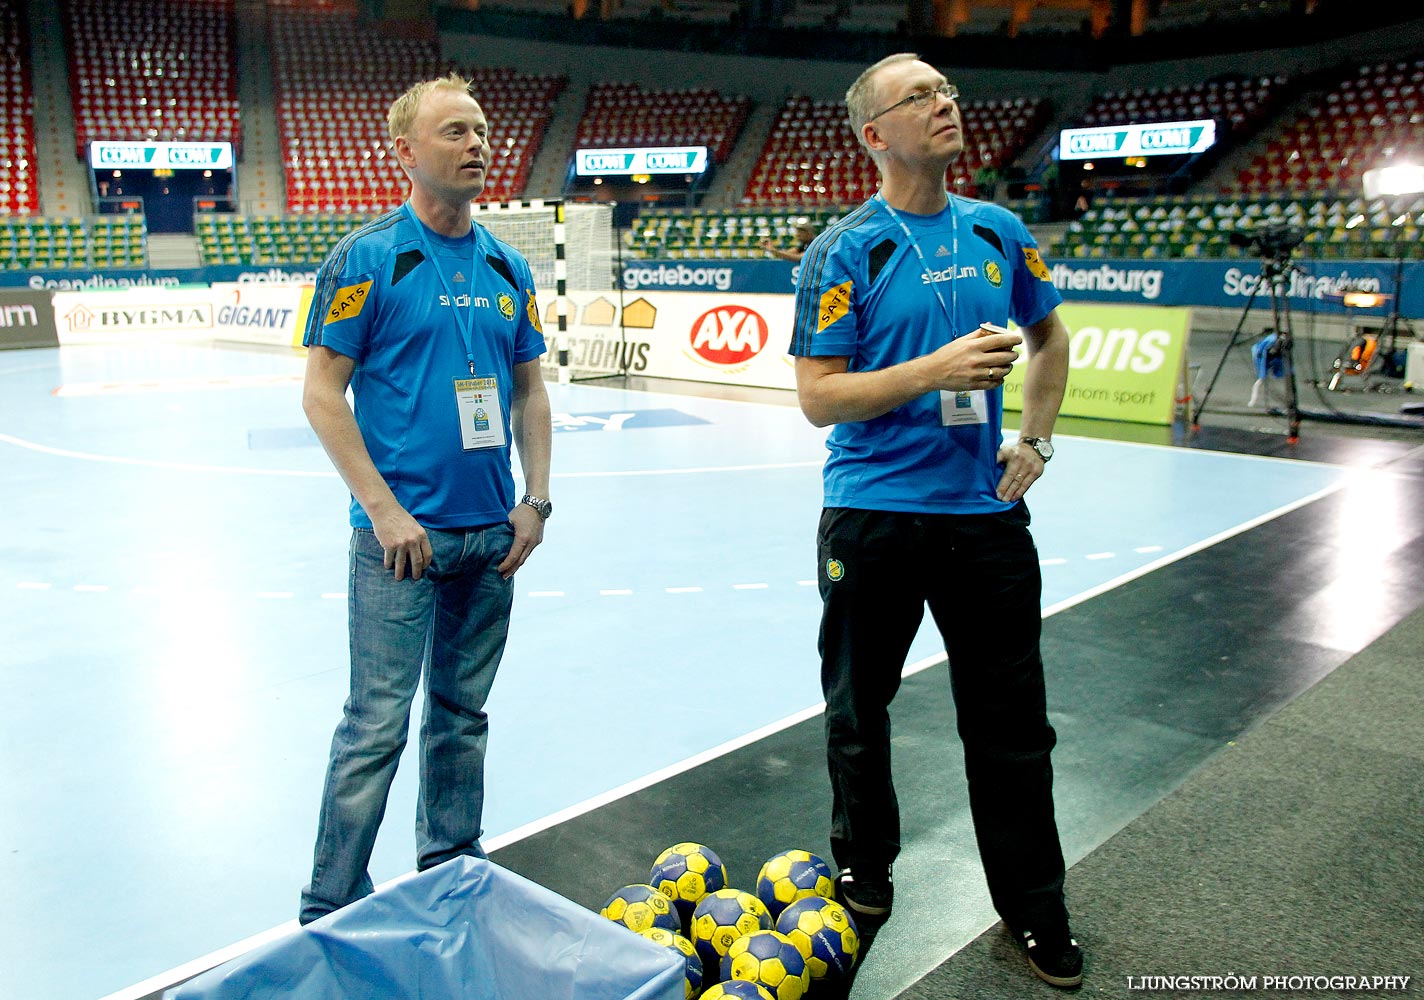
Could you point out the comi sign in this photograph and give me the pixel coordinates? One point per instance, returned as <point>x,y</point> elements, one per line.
<point>1156,139</point>
<point>646,160</point>
<point>105,155</point>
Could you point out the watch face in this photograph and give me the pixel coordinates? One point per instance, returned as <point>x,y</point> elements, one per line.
<point>1044,448</point>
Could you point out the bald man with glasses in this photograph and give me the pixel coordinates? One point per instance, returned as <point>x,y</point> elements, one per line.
<point>901,347</point>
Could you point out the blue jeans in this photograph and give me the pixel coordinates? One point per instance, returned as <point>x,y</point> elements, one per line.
<point>452,622</point>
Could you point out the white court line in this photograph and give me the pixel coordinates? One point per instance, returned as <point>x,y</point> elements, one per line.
<point>1195,547</point>
<point>156,463</point>
<point>697,470</point>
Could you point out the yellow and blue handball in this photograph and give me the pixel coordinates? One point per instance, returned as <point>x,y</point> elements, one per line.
<point>722,917</point>
<point>639,907</point>
<point>772,961</point>
<point>737,989</point>
<point>793,875</point>
<point>685,873</point>
<point>694,976</point>
<point>825,934</point>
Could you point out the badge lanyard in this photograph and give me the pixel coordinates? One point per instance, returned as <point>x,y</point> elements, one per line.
<point>465,320</point>
<point>964,406</point>
<point>952,306</point>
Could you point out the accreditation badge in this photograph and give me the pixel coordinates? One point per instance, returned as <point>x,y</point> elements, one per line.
<point>959,408</point>
<point>481,420</point>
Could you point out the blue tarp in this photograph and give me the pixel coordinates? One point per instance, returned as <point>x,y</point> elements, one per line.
<point>466,929</point>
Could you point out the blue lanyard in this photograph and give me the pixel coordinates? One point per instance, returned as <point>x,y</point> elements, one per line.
<point>465,320</point>
<point>950,307</point>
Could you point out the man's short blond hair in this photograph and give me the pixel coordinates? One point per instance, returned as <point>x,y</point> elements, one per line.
<point>404,108</point>
<point>862,97</point>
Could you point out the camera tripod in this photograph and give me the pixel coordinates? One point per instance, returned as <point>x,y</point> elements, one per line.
<point>1275,270</point>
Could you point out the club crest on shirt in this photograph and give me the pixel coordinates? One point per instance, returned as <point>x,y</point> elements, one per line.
<point>835,570</point>
<point>835,303</point>
<point>993,274</point>
<point>506,306</point>
<point>532,308</point>
<point>1035,263</point>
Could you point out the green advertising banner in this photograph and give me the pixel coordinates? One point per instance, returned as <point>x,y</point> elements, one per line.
<point>1124,362</point>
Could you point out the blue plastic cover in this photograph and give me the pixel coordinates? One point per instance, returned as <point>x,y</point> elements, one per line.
<point>466,929</point>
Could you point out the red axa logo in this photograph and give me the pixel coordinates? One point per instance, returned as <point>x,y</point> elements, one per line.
<point>729,335</point>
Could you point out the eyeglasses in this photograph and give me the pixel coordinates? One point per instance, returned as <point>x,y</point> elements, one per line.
<point>921,99</point>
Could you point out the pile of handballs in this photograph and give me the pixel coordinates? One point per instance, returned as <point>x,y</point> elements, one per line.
<point>775,942</point>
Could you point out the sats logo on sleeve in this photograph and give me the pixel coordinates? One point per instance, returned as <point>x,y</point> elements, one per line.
<point>348,302</point>
<point>835,303</point>
<point>1035,263</point>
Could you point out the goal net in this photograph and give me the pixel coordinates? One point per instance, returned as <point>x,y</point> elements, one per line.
<point>572,251</point>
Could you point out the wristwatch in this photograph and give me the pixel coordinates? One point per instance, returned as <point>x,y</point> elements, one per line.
<point>544,507</point>
<point>1043,446</point>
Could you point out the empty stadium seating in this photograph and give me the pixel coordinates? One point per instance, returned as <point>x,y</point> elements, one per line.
<point>331,112</point>
<point>811,157</point>
<point>19,190</point>
<point>624,114</point>
<point>1361,123</point>
<point>1238,103</point>
<point>711,233</point>
<point>238,239</point>
<point>37,243</point>
<point>152,70</point>
<point>1202,226</point>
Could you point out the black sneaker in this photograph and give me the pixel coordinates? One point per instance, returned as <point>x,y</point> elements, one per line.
<point>1054,958</point>
<point>870,892</point>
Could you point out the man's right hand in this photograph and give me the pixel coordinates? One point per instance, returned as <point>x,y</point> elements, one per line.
<point>406,545</point>
<point>979,360</point>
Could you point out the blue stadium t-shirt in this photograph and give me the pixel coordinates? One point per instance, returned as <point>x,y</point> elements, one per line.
<point>379,301</point>
<point>864,294</point>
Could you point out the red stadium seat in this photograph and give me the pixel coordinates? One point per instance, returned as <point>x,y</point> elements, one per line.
<point>338,104</point>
